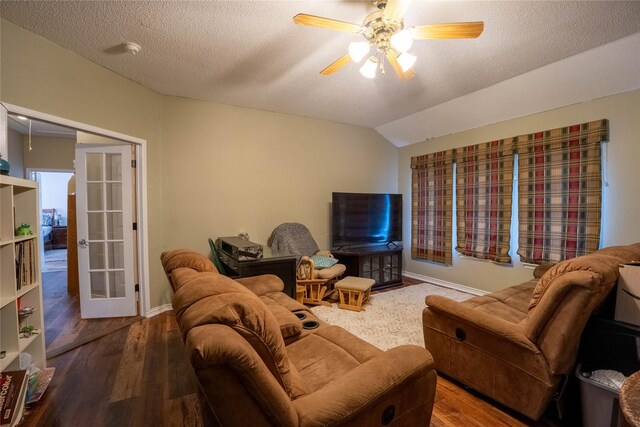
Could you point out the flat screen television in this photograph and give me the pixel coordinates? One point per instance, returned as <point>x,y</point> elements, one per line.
<point>365,218</point>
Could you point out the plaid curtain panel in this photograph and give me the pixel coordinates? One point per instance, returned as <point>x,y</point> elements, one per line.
<point>432,207</point>
<point>560,192</point>
<point>484,182</point>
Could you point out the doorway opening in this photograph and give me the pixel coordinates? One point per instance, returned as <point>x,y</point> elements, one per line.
<point>54,217</point>
<point>64,327</point>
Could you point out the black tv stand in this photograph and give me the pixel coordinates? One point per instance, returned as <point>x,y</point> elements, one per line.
<point>380,263</point>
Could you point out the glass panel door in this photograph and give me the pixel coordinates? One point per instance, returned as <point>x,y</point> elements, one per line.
<point>105,246</point>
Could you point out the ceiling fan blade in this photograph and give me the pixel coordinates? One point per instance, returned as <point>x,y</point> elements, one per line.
<point>454,30</point>
<point>329,24</point>
<point>395,9</point>
<point>404,75</point>
<point>336,65</point>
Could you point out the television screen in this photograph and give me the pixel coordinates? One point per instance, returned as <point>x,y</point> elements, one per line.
<point>365,218</point>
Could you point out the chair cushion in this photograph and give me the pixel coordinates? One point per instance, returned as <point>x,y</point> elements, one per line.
<point>354,283</point>
<point>331,272</point>
<point>320,262</point>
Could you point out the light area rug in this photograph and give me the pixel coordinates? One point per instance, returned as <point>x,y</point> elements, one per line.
<point>391,318</point>
<point>54,260</point>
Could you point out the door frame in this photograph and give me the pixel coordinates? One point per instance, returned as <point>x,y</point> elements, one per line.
<point>140,145</point>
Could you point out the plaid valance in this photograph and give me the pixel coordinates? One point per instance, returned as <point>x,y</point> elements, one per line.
<point>560,192</point>
<point>432,207</point>
<point>430,160</point>
<point>484,182</point>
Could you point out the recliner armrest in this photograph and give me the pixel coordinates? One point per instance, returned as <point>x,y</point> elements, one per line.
<point>402,376</point>
<point>494,325</point>
<point>262,284</point>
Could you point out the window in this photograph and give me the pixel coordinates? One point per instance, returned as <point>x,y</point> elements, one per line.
<point>559,202</point>
<point>484,183</point>
<point>560,192</point>
<point>431,207</point>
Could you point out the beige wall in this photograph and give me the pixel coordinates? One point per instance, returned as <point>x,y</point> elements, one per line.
<point>16,156</point>
<point>237,169</point>
<point>49,153</point>
<point>621,198</point>
<point>217,170</point>
<point>42,76</point>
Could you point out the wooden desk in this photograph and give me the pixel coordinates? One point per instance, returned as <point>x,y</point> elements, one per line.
<point>283,266</point>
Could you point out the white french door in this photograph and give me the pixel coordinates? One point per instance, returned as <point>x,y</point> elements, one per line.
<point>105,236</point>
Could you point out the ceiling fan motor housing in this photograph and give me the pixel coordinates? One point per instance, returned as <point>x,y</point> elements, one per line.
<point>379,31</point>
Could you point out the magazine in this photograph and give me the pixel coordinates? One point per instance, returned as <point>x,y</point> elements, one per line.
<point>38,383</point>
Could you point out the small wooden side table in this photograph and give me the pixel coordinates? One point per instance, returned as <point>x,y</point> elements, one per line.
<point>630,401</point>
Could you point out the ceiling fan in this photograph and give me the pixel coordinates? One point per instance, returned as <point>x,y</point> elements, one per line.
<point>384,29</point>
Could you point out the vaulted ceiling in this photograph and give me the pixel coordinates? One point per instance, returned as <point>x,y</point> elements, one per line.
<point>251,54</point>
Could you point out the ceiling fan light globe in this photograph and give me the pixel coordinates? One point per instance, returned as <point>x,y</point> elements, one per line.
<point>402,40</point>
<point>406,61</point>
<point>358,50</point>
<point>369,68</point>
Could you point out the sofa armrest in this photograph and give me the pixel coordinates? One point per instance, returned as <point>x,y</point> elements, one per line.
<point>262,284</point>
<point>403,377</point>
<point>491,324</point>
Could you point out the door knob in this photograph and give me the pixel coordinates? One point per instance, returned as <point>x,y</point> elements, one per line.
<point>83,243</point>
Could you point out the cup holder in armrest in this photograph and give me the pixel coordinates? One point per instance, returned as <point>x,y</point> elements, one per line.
<point>300,315</point>
<point>310,324</point>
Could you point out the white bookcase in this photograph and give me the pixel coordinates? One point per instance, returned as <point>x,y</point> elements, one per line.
<point>19,204</point>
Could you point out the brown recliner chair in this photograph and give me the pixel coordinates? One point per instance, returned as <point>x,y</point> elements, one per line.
<point>257,366</point>
<point>519,345</point>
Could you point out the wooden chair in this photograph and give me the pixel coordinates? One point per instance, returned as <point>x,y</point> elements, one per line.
<point>295,239</point>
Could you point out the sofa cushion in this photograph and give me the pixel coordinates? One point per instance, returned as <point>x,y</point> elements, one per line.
<point>539,271</point>
<point>510,304</point>
<point>603,262</point>
<point>328,354</point>
<point>178,258</point>
<point>289,323</point>
<point>208,298</point>
<point>284,300</point>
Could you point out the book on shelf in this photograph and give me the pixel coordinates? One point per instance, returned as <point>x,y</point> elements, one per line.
<point>13,389</point>
<point>25,263</point>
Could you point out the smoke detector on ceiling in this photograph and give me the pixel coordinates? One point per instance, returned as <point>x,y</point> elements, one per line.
<point>132,48</point>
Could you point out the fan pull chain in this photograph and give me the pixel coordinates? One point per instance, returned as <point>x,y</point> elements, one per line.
<point>30,147</point>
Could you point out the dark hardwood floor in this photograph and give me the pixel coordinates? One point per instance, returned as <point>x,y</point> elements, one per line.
<point>64,328</point>
<point>139,375</point>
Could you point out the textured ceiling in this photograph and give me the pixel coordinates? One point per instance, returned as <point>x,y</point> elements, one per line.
<point>250,54</point>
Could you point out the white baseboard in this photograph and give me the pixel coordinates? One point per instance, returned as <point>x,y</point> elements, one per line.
<point>445,284</point>
<point>159,309</point>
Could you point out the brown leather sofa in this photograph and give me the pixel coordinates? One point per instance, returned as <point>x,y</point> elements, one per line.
<point>256,364</point>
<point>519,345</point>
